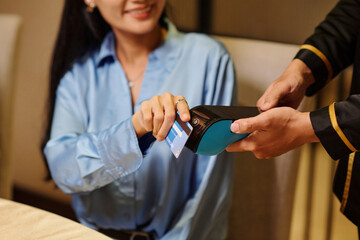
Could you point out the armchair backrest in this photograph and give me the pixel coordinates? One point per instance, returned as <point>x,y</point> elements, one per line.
<point>9,32</point>
<point>263,193</point>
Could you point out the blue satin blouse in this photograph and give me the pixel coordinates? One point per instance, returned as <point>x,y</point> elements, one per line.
<point>118,181</point>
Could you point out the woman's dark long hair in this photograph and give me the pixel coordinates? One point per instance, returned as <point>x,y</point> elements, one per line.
<point>80,32</point>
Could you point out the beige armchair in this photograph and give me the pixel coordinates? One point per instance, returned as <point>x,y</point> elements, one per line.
<point>288,197</point>
<point>9,32</point>
<point>264,190</point>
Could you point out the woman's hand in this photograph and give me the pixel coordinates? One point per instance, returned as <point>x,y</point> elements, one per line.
<point>289,89</point>
<point>158,115</point>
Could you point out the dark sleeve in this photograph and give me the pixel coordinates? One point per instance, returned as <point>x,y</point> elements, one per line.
<point>145,142</point>
<point>338,127</point>
<point>331,48</point>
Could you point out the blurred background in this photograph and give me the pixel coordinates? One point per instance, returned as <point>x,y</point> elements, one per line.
<point>310,210</point>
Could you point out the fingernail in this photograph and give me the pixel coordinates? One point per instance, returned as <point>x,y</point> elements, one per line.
<point>234,127</point>
<point>185,116</point>
<point>266,106</point>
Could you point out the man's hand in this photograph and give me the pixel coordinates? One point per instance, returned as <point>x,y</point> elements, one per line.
<point>273,132</point>
<point>289,89</point>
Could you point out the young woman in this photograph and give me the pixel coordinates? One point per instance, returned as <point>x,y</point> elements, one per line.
<point>120,72</point>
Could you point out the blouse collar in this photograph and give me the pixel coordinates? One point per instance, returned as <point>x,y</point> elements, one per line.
<point>167,52</point>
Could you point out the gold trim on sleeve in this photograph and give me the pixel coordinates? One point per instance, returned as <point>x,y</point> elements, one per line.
<point>347,182</point>
<point>321,56</point>
<point>338,130</point>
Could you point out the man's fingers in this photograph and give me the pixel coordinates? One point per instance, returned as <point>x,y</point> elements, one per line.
<point>269,100</point>
<point>253,143</point>
<point>272,96</point>
<point>240,146</point>
<point>248,125</point>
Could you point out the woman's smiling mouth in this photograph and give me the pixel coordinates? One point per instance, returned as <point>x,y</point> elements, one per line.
<point>141,12</point>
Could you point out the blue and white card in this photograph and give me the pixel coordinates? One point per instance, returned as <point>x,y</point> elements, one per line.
<point>178,135</point>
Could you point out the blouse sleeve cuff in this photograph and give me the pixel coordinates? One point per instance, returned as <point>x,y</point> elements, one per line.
<point>120,149</point>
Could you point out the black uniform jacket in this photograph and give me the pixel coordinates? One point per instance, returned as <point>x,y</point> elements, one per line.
<point>334,46</point>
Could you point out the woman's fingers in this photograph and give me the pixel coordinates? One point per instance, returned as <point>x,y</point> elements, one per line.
<point>169,118</point>
<point>158,114</point>
<point>146,116</point>
<point>183,108</point>
<point>171,105</point>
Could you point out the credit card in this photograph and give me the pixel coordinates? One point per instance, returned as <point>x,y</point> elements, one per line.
<point>178,135</point>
